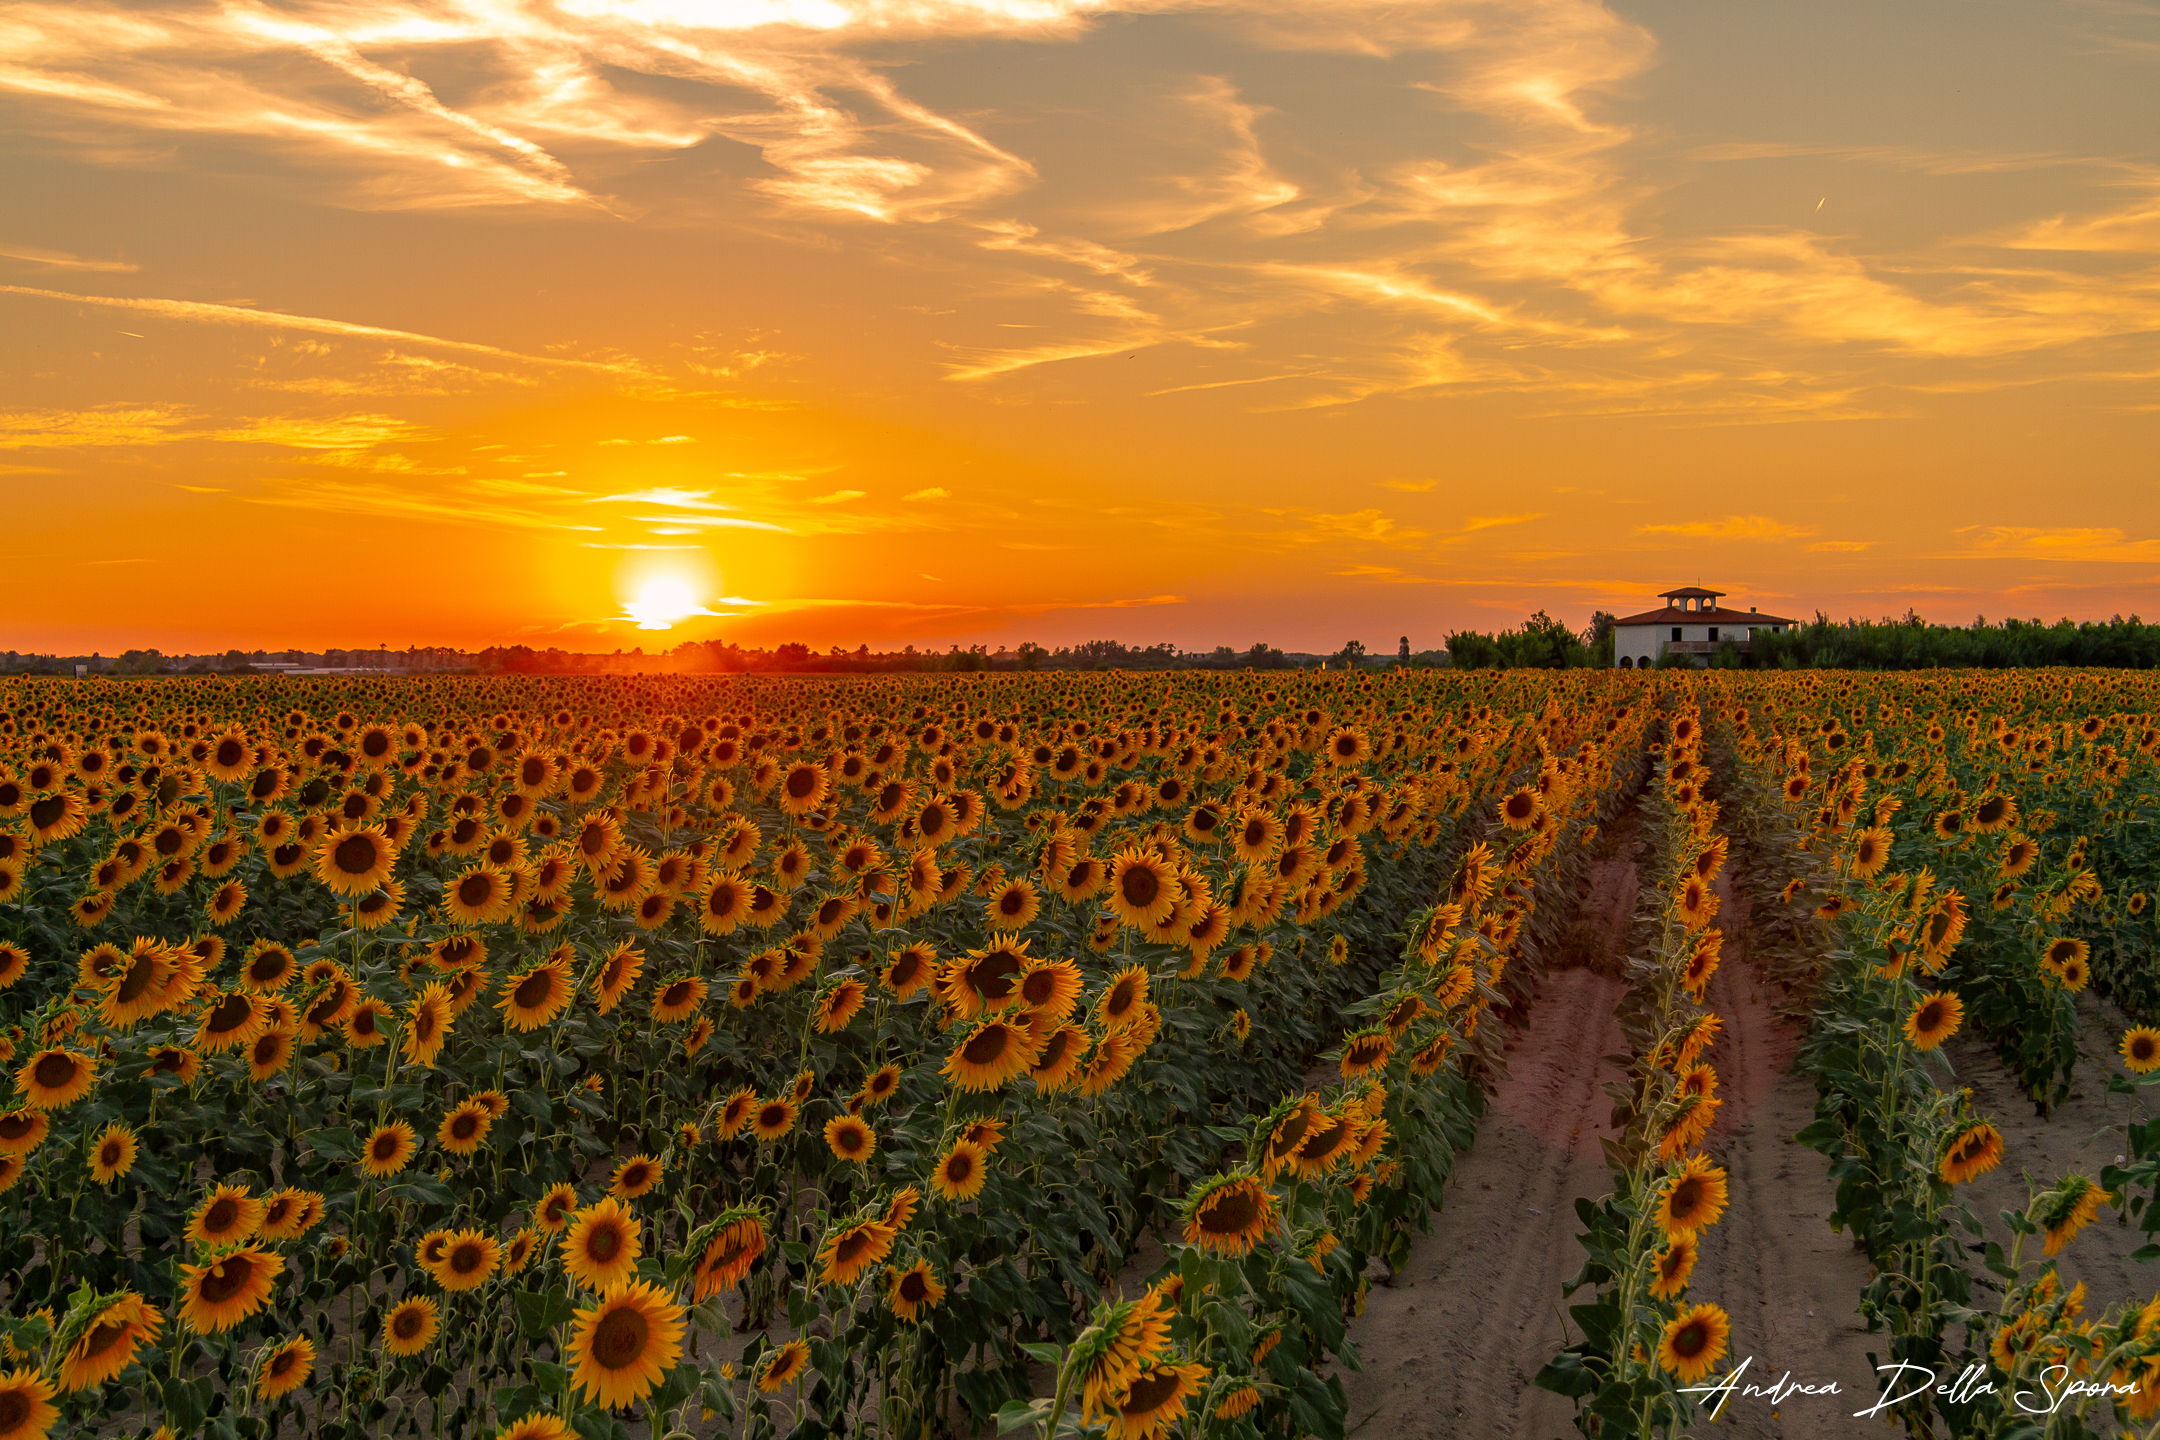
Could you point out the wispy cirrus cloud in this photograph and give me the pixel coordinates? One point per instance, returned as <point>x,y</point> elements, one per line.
<point>1731,527</point>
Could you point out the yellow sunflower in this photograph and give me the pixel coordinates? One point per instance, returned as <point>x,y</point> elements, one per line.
<point>994,1052</point>
<point>1230,1214</point>
<point>1973,1153</point>
<point>113,1154</point>
<point>783,1365</point>
<point>635,1176</point>
<point>853,1249</point>
<point>219,1295</point>
<point>620,1347</point>
<point>911,1291</point>
<point>961,1172</point>
<point>107,1345</point>
<point>1693,1342</point>
<point>531,998</point>
<point>53,1078</point>
<point>389,1149</point>
<point>228,1216</point>
<point>286,1368</point>
<point>602,1247</point>
<point>1693,1200</point>
<point>1935,1018</point>
<point>411,1326</point>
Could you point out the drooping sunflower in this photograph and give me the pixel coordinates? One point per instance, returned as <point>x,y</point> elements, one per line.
<point>107,1345</point>
<point>620,1347</point>
<point>1130,1336</point>
<point>602,1247</point>
<point>1366,1050</point>
<point>389,1149</point>
<point>635,1176</point>
<point>783,1365</point>
<point>1057,1063</point>
<point>1674,1264</point>
<point>286,1368</point>
<point>1692,1201</point>
<point>2067,1209</point>
<point>1935,1018</point>
<point>851,1250</point>
<point>1154,1400</point>
<point>532,998</point>
<point>113,1153</point>
<point>911,1291</point>
<point>1230,1214</point>
<point>232,1286</point>
<point>411,1326</point>
<point>994,1052</point>
<point>618,976</point>
<point>839,1005</point>
<point>1973,1153</point>
<point>961,1172</point>
<point>427,1025</point>
<point>728,1256</point>
<point>850,1139</point>
<point>1694,1341</point>
<point>228,1216</point>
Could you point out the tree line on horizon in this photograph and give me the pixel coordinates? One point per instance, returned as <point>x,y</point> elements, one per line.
<point>1541,642</point>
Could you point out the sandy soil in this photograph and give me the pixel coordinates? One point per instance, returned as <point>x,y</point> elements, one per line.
<point>1450,1347</point>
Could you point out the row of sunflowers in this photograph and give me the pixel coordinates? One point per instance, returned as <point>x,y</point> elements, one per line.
<point>1931,851</point>
<point>528,1057</point>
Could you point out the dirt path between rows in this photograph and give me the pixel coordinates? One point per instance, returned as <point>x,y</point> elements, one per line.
<point>1450,1348</point>
<point>2084,1134</point>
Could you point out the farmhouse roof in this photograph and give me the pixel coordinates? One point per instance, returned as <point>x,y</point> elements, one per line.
<point>1674,615</point>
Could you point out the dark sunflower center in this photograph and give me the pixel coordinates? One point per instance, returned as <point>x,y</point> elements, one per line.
<point>53,1072</point>
<point>959,1168</point>
<point>914,1287</point>
<point>987,1046</point>
<point>1232,1211</point>
<point>226,1279</point>
<point>619,1340</point>
<point>1150,1392</point>
<point>467,1258</point>
<point>354,855</point>
<point>408,1323</point>
<point>533,991</point>
<point>220,1217</point>
<point>603,1243</point>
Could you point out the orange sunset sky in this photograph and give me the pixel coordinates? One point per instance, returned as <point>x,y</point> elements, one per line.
<point>985,321</point>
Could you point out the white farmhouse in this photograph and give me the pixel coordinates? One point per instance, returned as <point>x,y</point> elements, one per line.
<point>1692,624</point>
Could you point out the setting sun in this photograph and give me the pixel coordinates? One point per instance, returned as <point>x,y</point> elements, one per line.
<point>661,601</point>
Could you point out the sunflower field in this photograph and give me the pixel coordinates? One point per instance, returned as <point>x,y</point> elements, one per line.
<point>532,1058</point>
<point>545,1057</point>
